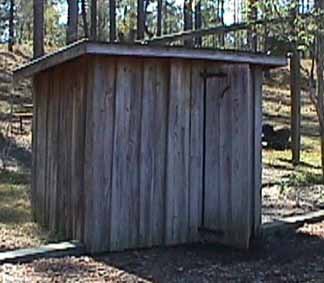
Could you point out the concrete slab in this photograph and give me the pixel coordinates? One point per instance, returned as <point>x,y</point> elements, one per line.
<point>51,250</point>
<point>293,222</point>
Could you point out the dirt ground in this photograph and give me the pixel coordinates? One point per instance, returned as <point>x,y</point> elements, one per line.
<point>289,190</point>
<point>290,257</point>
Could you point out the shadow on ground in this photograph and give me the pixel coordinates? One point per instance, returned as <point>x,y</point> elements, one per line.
<point>17,154</point>
<point>292,257</point>
<point>14,198</point>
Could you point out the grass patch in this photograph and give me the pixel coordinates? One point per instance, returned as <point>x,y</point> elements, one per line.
<point>17,228</point>
<point>14,178</point>
<point>303,179</point>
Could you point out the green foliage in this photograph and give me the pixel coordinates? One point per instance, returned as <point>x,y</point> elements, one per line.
<point>23,23</point>
<point>297,179</point>
<point>54,30</point>
<point>279,37</point>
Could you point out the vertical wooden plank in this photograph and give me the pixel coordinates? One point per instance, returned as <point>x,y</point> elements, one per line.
<point>34,190</point>
<point>41,145</point>
<point>69,86</point>
<point>61,180</point>
<point>77,148</point>
<point>177,184</point>
<point>49,137</point>
<point>225,155</point>
<point>53,149</point>
<point>125,191</point>
<point>101,117</point>
<point>241,155</point>
<point>196,149</point>
<point>88,155</point>
<point>250,153</point>
<point>153,152</point>
<point>257,186</point>
<point>214,87</point>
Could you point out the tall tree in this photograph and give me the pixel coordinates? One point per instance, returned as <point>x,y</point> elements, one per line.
<point>72,27</point>
<point>165,17</point>
<point>295,88</point>
<point>222,22</point>
<point>159,17</point>
<point>320,77</point>
<point>187,19</point>
<point>112,20</point>
<point>94,19</point>
<point>198,21</point>
<point>11,25</point>
<point>38,30</point>
<point>140,19</point>
<point>252,32</point>
<point>84,17</point>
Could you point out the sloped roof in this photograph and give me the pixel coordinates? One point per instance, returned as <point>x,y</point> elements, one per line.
<point>85,47</point>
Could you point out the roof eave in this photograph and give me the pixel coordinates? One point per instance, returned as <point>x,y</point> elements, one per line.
<point>84,47</point>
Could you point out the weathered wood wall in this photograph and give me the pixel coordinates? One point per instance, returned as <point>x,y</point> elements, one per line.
<point>120,154</point>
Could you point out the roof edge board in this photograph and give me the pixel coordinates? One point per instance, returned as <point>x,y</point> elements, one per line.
<point>87,47</point>
<point>45,62</point>
<point>195,54</point>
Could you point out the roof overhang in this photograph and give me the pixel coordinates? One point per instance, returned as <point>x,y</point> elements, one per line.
<point>86,47</point>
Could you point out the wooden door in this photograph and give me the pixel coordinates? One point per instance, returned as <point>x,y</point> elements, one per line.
<point>228,164</point>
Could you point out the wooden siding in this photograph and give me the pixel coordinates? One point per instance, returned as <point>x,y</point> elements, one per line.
<point>118,151</point>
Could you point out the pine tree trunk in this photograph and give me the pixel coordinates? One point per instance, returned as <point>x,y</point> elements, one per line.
<point>112,20</point>
<point>140,19</point>
<point>94,19</point>
<point>11,26</point>
<point>84,18</point>
<point>295,89</point>
<point>165,17</point>
<point>252,16</point>
<point>222,13</point>
<point>320,80</point>
<point>187,14</point>
<point>72,28</point>
<point>198,22</point>
<point>159,18</point>
<point>38,30</point>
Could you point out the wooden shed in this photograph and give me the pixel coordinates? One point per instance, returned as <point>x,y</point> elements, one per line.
<point>137,146</point>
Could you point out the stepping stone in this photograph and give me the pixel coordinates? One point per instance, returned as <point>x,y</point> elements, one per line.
<point>50,250</point>
<point>293,222</point>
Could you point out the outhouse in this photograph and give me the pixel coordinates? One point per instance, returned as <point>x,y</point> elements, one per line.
<point>138,146</point>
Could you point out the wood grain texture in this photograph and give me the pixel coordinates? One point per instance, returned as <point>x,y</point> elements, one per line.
<point>62,185</point>
<point>42,146</point>
<point>49,157</point>
<point>241,156</point>
<point>257,186</point>
<point>118,151</point>
<point>53,150</point>
<point>225,155</point>
<point>214,87</point>
<point>36,90</point>
<point>153,153</point>
<point>77,116</point>
<point>100,114</point>
<point>70,87</point>
<point>229,169</point>
<point>177,184</point>
<point>88,156</point>
<point>196,150</point>
<point>126,171</point>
